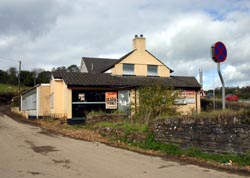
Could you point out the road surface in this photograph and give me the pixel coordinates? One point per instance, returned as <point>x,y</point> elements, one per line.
<point>27,151</point>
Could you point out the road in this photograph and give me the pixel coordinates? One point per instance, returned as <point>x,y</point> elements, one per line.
<point>27,151</point>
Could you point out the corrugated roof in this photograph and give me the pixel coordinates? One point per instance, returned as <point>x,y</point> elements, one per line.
<point>73,79</point>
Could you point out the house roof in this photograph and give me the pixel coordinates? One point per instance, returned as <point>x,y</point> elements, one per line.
<point>78,79</point>
<point>98,65</point>
<point>159,61</point>
<point>129,53</point>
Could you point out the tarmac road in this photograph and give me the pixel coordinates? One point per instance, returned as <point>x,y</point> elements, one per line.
<point>27,151</point>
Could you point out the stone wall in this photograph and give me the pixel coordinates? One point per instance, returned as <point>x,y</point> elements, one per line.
<point>220,135</point>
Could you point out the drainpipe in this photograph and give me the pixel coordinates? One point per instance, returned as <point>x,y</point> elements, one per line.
<point>37,102</point>
<point>196,102</point>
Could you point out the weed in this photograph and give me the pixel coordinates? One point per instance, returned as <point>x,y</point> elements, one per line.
<point>125,125</point>
<point>48,119</point>
<point>151,144</point>
<point>78,126</point>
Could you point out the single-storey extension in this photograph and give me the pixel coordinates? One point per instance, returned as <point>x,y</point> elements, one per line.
<point>112,84</point>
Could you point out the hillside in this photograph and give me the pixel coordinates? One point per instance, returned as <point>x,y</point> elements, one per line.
<point>6,88</point>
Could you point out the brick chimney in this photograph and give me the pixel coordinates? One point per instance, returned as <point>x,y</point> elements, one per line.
<point>139,43</point>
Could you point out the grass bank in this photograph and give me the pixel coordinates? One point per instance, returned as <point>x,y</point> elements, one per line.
<point>149,143</point>
<point>6,88</point>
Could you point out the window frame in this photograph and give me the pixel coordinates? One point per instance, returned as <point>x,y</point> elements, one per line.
<point>128,70</point>
<point>152,73</point>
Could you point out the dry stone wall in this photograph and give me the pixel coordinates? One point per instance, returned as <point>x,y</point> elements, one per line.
<point>220,135</point>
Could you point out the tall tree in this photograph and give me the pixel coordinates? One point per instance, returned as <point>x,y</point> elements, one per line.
<point>4,77</point>
<point>73,68</point>
<point>63,68</point>
<point>12,71</point>
<point>44,77</point>
<point>27,78</point>
<point>36,73</point>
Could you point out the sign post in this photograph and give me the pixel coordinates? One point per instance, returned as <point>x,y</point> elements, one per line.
<point>219,54</point>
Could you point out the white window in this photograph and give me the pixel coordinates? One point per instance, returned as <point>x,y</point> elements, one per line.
<point>128,69</point>
<point>152,70</point>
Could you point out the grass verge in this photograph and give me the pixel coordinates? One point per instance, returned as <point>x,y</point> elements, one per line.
<point>169,149</point>
<point>125,125</point>
<point>150,144</point>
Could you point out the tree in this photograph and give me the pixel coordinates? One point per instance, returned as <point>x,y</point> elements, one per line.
<point>156,100</point>
<point>44,77</point>
<point>36,72</point>
<point>73,68</point>
<point>63,68</point>
<point>12,71</point>
<point>27,78</point>
<point>4,77</point>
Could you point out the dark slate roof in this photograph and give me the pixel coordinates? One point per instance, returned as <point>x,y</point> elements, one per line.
<point>126,55</point>
<point>98,65</point>
<point>87,79</point>
<point>78,79</point>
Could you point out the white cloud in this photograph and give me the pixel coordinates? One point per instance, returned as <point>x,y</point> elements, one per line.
<point>180,33</point>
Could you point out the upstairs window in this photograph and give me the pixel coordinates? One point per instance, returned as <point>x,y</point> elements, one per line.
<point>128,69</point>
<point>152,70</point>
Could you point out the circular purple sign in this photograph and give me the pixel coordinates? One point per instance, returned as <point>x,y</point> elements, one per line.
<point>219,52</point>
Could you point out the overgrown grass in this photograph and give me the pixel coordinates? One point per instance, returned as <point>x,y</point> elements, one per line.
<point>243,114</point>
<point>150,144</point>
<point>170,149</point>
<point>4,88</point>
<point>78,126</point>
<point>125,125</point>
<point>216,114</point>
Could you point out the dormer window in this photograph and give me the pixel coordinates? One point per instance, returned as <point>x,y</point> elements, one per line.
<point>152,70</point>
<point>128,69</point>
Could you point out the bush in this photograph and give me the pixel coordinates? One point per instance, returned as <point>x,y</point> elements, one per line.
<point>156,100</point>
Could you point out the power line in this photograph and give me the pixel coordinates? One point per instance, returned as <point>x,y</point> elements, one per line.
<point>8,59</point>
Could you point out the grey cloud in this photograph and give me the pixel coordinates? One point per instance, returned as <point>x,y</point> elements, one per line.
<point>32,17</point>
<point>180,33</point>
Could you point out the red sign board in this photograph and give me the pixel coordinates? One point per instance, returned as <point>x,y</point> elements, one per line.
<point>111,100</point>
<point>219,52</point>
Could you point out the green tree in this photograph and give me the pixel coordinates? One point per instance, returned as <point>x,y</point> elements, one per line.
<point>27,78</point>
<point>62,68</point>
<point>12,72</point>
<point>73,68</point>
<point>156,100</point>
<point>44,77</point>
<point>4,77</point>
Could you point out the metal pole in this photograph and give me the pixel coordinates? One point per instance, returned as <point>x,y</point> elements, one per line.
<point>223,86</point>
<point>19,83</point>
<point>19,77</point>
<point>213,92</point>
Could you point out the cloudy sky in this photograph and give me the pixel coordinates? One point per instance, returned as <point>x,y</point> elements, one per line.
<point>52,33</point>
